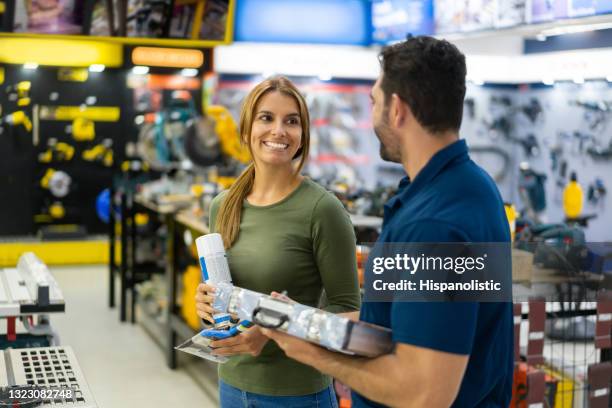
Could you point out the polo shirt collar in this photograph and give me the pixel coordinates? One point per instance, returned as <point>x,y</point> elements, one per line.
<point>455,151</point>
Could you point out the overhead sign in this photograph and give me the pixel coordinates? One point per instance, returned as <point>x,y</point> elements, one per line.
<point>57,52</point>
<point>167,57</point>
<point>304,21</point>
<point>392,20</point>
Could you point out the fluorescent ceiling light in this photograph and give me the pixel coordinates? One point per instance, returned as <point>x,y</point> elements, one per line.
<point>30,65</point>
<point>96,68</point>
<point>548,81</point>
<point>325,77</point>
<point>541,37</point>
<point>579,80</point>
<point>140,70</point>
<point>189,72</point>
<point>609,78</point>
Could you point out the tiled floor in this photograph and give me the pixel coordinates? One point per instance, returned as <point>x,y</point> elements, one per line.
<point>122,364</point>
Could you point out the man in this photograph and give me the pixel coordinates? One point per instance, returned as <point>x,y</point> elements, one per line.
<point>447,354</point>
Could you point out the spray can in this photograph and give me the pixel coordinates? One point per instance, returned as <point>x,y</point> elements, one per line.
<point>215,269</point>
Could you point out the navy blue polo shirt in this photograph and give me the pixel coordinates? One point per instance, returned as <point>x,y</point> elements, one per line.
<point>451,200</point>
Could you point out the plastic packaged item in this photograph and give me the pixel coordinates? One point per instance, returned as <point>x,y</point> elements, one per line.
<point>329,330</point>
<point>199,346</point>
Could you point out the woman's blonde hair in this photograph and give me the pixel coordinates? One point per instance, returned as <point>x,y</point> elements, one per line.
<point>228,219</point>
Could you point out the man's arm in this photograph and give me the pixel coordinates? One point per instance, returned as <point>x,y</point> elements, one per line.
<point>410,377</point>
<point>354,315</point>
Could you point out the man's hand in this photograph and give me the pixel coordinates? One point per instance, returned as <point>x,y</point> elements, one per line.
<point>204,298</point>
<point>354,316</point>
<point>250,342</point>
<point>295,348</point>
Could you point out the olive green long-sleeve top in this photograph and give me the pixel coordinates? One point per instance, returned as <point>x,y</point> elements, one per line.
<point>303,244</point>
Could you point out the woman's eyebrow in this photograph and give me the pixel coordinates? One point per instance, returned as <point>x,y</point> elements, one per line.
<point>265,111</point>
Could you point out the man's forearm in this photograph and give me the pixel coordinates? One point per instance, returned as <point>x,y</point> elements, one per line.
<point>408,377</point>
<point>354,315</point>
<point>377,379</point>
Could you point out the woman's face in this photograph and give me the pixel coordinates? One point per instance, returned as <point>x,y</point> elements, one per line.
<point>276,133</point>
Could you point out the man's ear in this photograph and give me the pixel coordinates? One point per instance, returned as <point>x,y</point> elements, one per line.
<point>399,111</point>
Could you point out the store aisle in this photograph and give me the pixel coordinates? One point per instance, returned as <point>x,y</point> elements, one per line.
<point>122,364</point>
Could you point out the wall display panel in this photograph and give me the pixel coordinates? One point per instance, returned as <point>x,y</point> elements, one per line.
<point>162,19</point>
<point>63,134</point>
<point>583,8</point>
<point>603,7</point>
<point>343,145</point>
<point>479,15</point>
<point>448,16</point>
<point>470,15</point>
<point>49,16</point>
<point>170,22</point>
<point>392,20</point>
<point>557,130</point>
<point>541,11</point>
<point>510,13</point>
<point>304,21</point>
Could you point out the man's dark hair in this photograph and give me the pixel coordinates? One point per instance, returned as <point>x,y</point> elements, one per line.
<point>429,75</point>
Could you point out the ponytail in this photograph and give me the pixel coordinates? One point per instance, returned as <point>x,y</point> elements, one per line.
<point>230,211</point>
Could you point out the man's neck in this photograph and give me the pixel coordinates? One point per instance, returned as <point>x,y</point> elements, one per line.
<point>421,146</point>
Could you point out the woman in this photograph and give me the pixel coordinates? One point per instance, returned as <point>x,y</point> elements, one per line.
<point>283,232</point>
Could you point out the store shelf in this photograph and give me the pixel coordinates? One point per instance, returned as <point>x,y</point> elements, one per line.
<point>203,372</point>
<point>155,328</point>
<point>181,328</point>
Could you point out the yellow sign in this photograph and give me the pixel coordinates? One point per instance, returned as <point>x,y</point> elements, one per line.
<point>70,113</point>
<point>59,52</point>
<point>73,74</point>
<point>167,57</point>
<point>1,75</point>
<point>2,7</point>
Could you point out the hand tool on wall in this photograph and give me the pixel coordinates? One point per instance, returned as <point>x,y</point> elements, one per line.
<point>57,182</point>
<point>83,129</point>
<point>19,118</point>
<point>23,93</point>
<point>100,153</point>
<point>56,151</point>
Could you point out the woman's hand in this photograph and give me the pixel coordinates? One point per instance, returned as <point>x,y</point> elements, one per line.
<point>204,299</point>
<point>282,296</point>
<point>250,342</point>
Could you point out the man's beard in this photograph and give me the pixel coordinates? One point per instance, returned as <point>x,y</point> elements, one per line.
<point>384,133</point>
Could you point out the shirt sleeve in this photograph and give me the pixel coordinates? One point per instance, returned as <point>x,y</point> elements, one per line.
<point>444,326</point>
<point>334,247</point>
